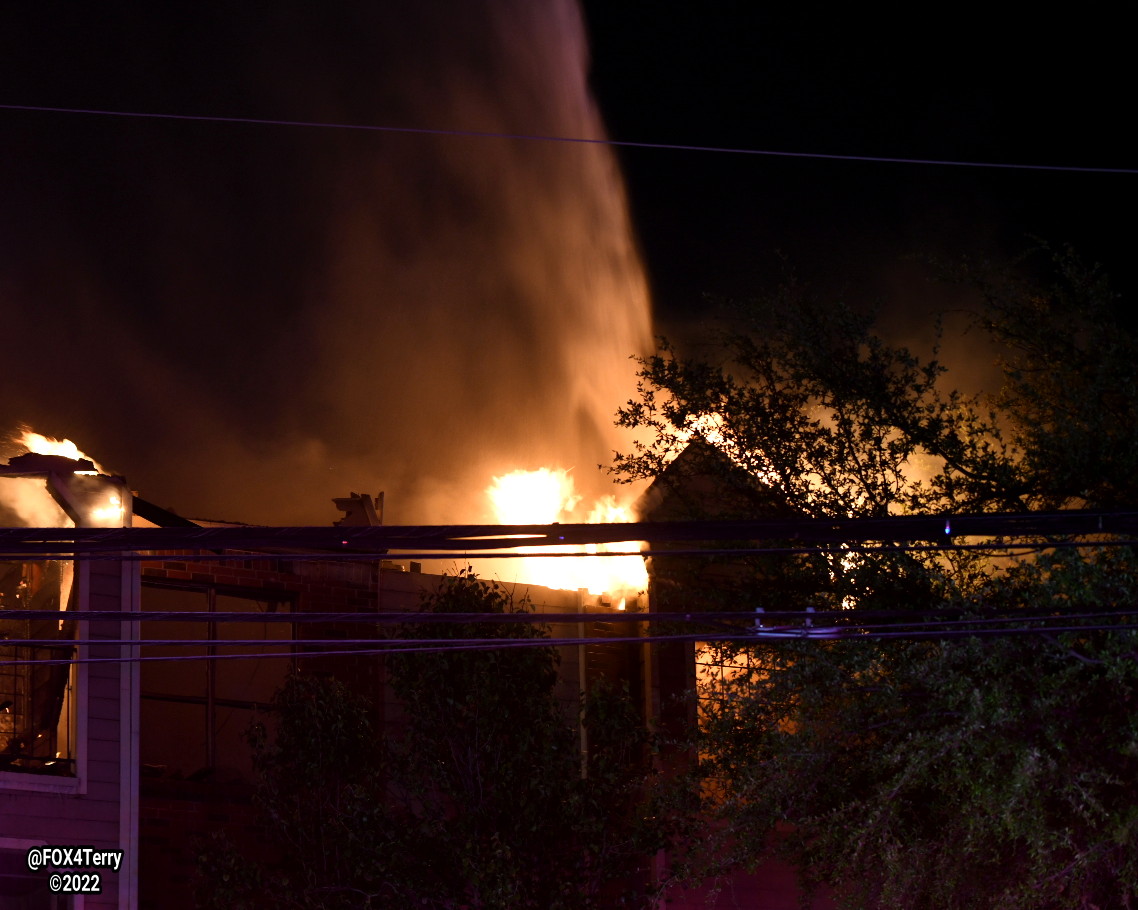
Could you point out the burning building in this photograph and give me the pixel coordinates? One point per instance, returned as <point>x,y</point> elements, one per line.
<point>143,756</point>
<point>68,766</point>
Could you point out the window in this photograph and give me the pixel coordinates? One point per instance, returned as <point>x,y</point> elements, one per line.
<point>37,697</point>
<point>195,711</point>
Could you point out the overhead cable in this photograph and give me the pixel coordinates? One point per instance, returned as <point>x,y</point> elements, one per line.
<point>749,613</point>
<point>452,541</point>
<point>820,634</point>
<point>583,140</point>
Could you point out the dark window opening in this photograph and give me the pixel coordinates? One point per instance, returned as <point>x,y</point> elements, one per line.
<point>196,709</point>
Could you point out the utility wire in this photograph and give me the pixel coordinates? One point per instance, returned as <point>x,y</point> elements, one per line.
<point>583,140</point>
<point>388,648</point>
<point>752,620</point>
<point>993,547</point>
<point>989,547</point>
<point>470,538</point>
<point>760,614</point>
<point>462,645</point>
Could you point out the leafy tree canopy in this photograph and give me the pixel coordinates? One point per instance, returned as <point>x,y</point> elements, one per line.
<point>971,772</point>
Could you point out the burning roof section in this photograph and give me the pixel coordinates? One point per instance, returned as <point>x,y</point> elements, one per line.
<point>55,491</point>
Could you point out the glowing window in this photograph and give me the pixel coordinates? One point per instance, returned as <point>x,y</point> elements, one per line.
<point>37,691</point>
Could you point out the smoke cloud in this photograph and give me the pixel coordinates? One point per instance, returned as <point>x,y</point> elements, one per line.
<point>249,320</point>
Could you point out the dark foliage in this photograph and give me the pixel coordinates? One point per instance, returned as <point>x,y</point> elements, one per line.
<point>476,800</point>
<point>974,772</point>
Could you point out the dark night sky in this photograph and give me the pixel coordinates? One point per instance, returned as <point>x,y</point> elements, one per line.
<point>974,89</point>
<point>237,316</point>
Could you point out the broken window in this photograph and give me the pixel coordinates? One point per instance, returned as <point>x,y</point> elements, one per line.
<point>38,702</point>
<point>37,691</point>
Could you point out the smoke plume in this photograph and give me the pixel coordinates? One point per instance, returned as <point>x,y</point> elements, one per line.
<point>248,320</point>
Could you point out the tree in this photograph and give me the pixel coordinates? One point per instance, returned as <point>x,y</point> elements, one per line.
<point>972,772</point>
<point>330,840</point>
<point>490,769</point>
<point>480,803</point>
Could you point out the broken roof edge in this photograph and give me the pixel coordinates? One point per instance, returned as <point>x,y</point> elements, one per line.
<point>160,517</point>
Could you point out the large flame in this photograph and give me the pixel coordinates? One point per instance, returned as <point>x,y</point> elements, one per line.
<point>47,445</point>
<point>548,495</point>
<point>532,497</point>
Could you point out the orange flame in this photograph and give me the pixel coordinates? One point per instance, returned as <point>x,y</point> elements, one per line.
<point>46,445</point>
<point>532,497</point>
<point>546,496</point>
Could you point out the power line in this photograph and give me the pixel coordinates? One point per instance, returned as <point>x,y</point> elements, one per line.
<point>350,651</point>
<point>582,140</point>
<point>432,646</point>
<point>861,630</point>
<point>451,541</point>
<point>995,547</point>
<point>756,631</point>
<point>747,613</point>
